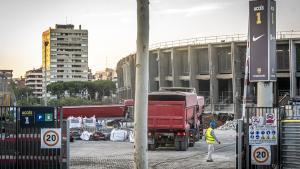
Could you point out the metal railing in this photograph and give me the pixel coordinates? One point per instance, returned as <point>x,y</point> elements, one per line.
<point>218,39</point>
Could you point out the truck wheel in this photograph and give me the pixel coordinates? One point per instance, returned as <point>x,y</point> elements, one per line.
<point>177,145</point>
<point>151,147</point>
<point>184,144</point>
<point>191,144</point>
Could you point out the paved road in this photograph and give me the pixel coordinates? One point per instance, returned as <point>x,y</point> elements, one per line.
<point>114,155</point>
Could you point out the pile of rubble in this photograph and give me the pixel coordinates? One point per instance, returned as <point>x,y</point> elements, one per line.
<point>229,125</point>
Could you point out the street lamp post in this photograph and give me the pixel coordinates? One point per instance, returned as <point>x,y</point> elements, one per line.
<point>45,71</point>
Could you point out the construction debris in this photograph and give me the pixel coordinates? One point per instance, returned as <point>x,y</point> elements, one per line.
<point>229,125</point>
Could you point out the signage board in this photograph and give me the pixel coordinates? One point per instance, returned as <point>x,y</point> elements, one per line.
<point>36,117</point>
<point>50,138</point>
<point>270,119</point>
<point>257,120</point>
<point>261,155</point>
<point>262,15</point>
<point>263,135</point>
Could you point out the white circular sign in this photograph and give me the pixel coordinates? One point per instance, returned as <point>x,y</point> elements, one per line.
<point>260,155</point>
<point>51,138</point>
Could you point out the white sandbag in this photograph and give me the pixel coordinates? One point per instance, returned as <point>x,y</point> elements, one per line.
<point>85,135</point>
<point>89,122</point>
<point>131,136</point>
<point>75,122</point>
<point>118,135</point>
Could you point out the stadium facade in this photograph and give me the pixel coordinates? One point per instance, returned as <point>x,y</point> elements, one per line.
<point>215,66</point>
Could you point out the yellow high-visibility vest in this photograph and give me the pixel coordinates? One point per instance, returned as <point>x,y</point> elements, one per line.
<point>208,137</point>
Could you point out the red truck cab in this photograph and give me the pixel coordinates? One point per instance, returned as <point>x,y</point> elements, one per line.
<point>174,118</point>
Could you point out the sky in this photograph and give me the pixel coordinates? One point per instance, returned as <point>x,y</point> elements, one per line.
<point>112,25</point>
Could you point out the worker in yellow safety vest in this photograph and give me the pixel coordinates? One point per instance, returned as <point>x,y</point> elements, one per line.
<point>211,139</point>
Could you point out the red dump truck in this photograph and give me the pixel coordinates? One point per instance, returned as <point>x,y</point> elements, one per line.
<point>174,118</point>
<point>117,111</point>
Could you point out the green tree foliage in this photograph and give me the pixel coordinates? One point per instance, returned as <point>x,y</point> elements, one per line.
<point>57,88</point>
<point>24,96</point>
<point>71,101</point>
<point>75,88</point>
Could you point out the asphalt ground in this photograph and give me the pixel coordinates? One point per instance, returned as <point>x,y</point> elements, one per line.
<point>119,155</point>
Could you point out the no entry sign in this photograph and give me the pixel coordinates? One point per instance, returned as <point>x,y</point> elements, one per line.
<point>51,138</point>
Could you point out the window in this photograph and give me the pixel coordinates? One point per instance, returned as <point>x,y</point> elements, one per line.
<point>224,59</point>
<point>76,65</point>
<point>283,57</point>
<point>202,59</point>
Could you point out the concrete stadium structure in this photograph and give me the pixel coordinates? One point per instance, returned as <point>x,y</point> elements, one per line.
<point>214,66</point>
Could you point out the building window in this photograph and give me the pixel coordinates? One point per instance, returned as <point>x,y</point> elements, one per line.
<point>283,57</point>
<point>202,59</point>
<point>224,59</point>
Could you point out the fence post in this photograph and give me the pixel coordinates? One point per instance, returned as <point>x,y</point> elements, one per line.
<point>240,135</point>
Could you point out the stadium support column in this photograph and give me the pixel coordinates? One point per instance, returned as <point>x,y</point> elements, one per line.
<point>193,68</point>
<point>236,81</point>
<point>213,69</point>
<point>162,70</point>
<point>175,68</point>
<point>141,86</point>
<point>293,82</point>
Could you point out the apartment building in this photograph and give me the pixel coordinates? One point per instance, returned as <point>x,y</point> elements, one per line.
<point>65,54</point>
<point>34,80</point>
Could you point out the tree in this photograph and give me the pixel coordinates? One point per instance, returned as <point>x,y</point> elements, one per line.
<point>57,88</point>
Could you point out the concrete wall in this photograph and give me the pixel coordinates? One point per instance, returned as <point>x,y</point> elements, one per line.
<point>234,76</point>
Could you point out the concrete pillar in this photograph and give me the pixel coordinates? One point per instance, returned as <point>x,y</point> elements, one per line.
<point>213,69</point>
<point>264,94</point>
<point>192,61</point>
<point>162,69</point>
<point>236,80</point>
<point>293,68</point>
<point>132,61</point>
<point>175,68</point>
<point>153,70</point>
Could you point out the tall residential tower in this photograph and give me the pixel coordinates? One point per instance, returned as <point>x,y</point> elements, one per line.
<point>66,51</point>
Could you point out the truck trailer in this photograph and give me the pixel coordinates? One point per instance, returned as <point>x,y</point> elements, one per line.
<point>174,118</point>
<point>117,111</point>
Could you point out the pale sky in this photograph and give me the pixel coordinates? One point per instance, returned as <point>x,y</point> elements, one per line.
<point>112,25</point>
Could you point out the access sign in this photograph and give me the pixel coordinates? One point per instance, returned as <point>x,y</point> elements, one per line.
<point>40,117</point>
<point>262,14</point>
<point>50,138</point>
<point>260,155</point>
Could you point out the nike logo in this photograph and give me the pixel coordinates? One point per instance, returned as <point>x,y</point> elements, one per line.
<point>256,38</point>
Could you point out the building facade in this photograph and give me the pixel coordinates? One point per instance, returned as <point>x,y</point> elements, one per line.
<point>34,80</point>
<point>66,53</point>
<point>215,67</point>
<point>107,74</point>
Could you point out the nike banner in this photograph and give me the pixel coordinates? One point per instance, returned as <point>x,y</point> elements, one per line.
<point>262,40</point>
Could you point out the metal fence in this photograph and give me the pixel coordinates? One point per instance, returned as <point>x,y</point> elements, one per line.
<point>246,147</point>
<point>20,148</point>
<point>218,39</point>
<point>290,143</point>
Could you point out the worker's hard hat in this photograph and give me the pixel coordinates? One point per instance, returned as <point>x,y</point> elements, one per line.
<point>212,124</point>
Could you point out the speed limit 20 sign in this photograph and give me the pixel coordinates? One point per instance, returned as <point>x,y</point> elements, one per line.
<point>260,155</point>
<point>50,138</point>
